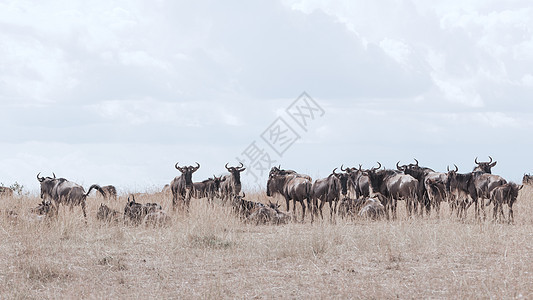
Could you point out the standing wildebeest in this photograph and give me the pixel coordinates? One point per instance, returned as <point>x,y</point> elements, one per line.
<point>359,182</point>
<point>182,186</point>
<point>504,194</point>
<point>329,190</point>
<point>6,192</point>
<point>231,183</point>
<point>431,189</point>
<point>393,185</point>
<point>484,183</point>
<point>292,186</point>
<point>63,191</point>
<point>208,188</point>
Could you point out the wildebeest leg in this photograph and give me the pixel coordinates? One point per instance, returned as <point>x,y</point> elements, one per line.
<point>83,209</point>
<point>320,208</point>
<point>511,215</point>
<point>310,206</point>
<point>303,208</point>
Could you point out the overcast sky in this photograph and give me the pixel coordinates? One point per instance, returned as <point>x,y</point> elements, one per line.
<point>117,92</point>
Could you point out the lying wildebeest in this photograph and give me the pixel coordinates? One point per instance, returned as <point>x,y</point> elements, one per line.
<point>45,208</point>
<point>372,209</point>
<point>157,218</point>
<point>107,214</point>
<point>350,207</point>
<point>135,212</point>
<point>292,186</point>
<point>329,190</point>
<point>182,186</point>
<point>230,185</point>
<point>63,191</point>
<point>268,214</point>
<point>6,192</point>
<point>244,207</point>
<point>504,194</point>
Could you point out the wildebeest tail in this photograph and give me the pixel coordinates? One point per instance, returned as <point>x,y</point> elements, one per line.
<point>96,187</point>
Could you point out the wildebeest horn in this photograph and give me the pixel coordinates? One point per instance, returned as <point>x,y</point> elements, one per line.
<point>379,165</point>
<point>475,160</point>
<point>360,167</point>
<point>54,175</point>
<point>176,165</point>
<point>241,165</point>
<point>226,166</point>
<point>416,161</point>
<point>448,168</point>
<point>456,168</point>
<point>344,170</point>
<point>490,159</point>
<point>398,166</point>
<point>243,194</point>
<point>334,171</point>
<point>197,166</point>
<point>40,179</point>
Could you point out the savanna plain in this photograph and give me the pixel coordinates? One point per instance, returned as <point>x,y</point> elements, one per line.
<point>211,253</point>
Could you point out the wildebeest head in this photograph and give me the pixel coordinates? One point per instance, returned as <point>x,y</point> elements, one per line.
<point>186,172</point>
<point>44,208</point>
<point>484,167</point>
<point>217,181</point>
<point>527,179</point>
<point>343,178</point>
<point>236,172</point>
<point>47,184</point>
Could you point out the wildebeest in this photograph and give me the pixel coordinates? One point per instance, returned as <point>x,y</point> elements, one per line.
<point>135,212</point>
<point>63,191</point>
<point>462,190</point>
<point>292,186</point>
<point>157,218</point>
<point>504,194</point>
<point>231,183</point>
<point>107,214</point>
<point>330,190</point>
<point>6,192</point>
<point>484,167</point>
<point>244,207</point>
<point>431,190</point>
<point>45,208</point>
<point>393,185</point>
<point>372,209</point>
<point>359,182</point>
<point>208,188</point>
<point>350,207</point>
<point>182,186</point>
<point>110,192</point>
<point>527,179</point>
<point>268,214</point>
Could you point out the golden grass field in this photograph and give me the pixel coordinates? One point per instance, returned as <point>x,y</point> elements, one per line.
<point>212,254</point>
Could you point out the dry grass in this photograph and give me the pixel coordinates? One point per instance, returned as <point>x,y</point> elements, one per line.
<point>212,254</point>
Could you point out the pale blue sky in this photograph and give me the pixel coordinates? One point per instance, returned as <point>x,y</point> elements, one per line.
<point>117,92</point>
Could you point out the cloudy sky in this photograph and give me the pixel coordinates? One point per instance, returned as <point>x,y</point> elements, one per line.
<point>117,92</point>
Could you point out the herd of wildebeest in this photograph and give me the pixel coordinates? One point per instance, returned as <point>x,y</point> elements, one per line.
<point>351,192</point>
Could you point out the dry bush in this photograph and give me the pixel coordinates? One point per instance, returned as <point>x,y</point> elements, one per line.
<point>211,253</point>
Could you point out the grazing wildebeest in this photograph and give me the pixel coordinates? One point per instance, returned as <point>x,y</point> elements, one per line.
<point>393,185</point>
<point>136,212</point>
<point>527,179</point>
<point>231,183</point>
<point>504,194</point>
<point>329,190</point>
<point>110,192</point>
<point>372,209</point>
<point>107,214</point>
<point>182,186</point>
<point>359,182</point>
<point>6,192</point>
<point>292,186</point>
<point>63,191</point>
